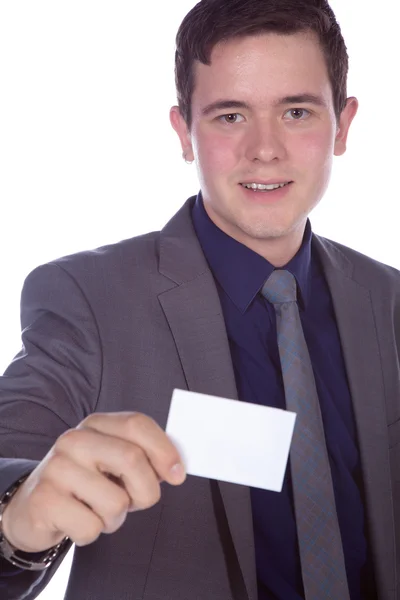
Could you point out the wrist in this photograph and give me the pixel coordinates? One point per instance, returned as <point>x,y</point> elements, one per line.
<point>25,560</point>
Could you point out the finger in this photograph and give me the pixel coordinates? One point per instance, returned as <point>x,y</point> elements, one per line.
<point>140,501</point>
<point>143,431</point>
<point>105,498</point>
<point>101,453</point>
<point>66,514</point>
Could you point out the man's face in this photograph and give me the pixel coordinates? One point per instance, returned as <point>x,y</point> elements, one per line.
<point>253,124</point>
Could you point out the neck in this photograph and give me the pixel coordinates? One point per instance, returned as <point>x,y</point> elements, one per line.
<point>277,251</point>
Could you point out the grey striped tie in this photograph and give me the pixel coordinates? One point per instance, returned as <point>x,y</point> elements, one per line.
<point>321,551</point>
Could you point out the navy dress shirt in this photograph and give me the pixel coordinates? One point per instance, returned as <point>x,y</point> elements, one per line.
<point>251,327</point>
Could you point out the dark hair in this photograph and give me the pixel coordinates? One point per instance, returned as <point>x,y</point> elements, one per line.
<point>214,21</point>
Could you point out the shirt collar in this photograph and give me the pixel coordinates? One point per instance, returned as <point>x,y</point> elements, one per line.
<point>241,272</point>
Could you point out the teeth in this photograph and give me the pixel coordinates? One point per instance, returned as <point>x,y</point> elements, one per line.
<point>260,186</point>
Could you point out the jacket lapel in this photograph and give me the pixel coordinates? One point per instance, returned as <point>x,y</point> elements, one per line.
<point>355,320</point>
<point>194,314</point>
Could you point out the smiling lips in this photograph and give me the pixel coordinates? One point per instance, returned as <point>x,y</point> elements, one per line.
<point>264,187</point>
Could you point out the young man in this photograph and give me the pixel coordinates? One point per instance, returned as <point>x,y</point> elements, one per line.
<point>108,335</point>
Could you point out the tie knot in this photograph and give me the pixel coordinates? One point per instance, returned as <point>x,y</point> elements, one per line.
<point>280,287</point>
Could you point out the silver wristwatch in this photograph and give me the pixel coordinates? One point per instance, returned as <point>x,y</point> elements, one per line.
<point>23,560</point>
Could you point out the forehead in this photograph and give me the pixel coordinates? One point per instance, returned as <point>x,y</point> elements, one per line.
<point>263,66</point>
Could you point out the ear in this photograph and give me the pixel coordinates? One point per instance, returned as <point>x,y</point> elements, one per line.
<point>346,118</point>
<point>179,124</point>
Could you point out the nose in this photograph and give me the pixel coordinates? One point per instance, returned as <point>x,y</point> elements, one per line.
<point>265,142</point>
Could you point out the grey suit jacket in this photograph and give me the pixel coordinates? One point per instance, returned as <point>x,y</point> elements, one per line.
<point>117,329</point>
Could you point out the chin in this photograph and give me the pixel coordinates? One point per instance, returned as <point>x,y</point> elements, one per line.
<point>268,229</point>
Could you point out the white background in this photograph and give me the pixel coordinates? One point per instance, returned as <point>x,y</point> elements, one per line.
<point>87,155</point>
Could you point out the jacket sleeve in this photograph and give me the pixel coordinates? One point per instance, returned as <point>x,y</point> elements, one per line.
<point>52,385</point>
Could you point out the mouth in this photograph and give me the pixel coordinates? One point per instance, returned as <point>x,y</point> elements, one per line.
<point>264,187</point>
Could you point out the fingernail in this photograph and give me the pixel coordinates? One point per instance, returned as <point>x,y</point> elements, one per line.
<point>178,472</point>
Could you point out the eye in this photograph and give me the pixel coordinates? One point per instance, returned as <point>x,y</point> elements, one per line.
<point>298,114</point>
<point>230,118</point>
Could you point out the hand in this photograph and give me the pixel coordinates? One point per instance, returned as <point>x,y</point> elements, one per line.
<point>109,465</point>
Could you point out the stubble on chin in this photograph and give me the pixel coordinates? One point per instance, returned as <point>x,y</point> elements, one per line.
<point>264,226</point>
<point>272,228</point>
<point>263,230</point>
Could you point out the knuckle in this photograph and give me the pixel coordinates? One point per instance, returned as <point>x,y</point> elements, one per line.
<point>56,466</point>
<point>113,526</point>
<point>67,440</point>
<point>92,419</point>
<point>88,535</point>
<point>113,521</point>
<point>94,423</point>
<point>139,421</point>
<point>133,456</point>
<point>119,504</point>
<point>155,497</point>
<point>148,498</point>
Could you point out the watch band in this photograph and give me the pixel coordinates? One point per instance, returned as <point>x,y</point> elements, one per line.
<point>25,560</point>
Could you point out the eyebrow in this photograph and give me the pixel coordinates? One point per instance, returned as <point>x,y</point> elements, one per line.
<point>236,104</point>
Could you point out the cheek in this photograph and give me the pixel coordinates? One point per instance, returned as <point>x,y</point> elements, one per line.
<point>315,153</point>
<point>314,149</point>
<point>216,153</point>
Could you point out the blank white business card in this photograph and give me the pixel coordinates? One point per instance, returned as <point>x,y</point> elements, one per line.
<point>229,440</point>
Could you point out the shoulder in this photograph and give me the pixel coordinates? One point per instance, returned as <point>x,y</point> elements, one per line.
<point>140,251</point>
<point>113,260</point>
<point>366,270</point>
<point>117,268</point>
